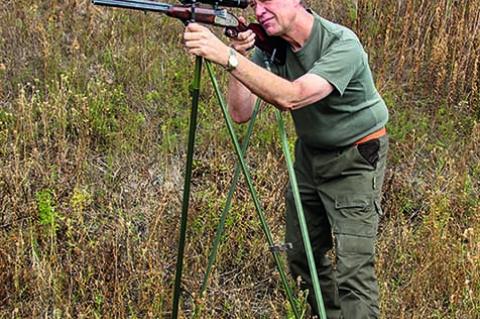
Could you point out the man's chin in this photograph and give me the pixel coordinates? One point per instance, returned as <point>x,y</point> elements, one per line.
<point>272,32</point>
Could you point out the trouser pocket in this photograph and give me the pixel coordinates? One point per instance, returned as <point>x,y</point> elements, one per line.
<point>369,151</point>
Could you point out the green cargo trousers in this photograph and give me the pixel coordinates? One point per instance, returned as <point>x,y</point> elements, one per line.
<point>340,191</point>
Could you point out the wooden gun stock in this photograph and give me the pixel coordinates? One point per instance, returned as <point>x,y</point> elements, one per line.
<point>269,45</point>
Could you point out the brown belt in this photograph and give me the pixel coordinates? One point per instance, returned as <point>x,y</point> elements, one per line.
<point>377,134</point>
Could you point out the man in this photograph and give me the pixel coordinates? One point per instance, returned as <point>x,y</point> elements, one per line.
<point>341,148</point>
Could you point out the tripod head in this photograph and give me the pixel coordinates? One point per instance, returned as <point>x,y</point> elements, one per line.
<point>220,3</point>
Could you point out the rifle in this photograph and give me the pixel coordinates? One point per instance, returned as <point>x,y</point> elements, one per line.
<point>272,46</point>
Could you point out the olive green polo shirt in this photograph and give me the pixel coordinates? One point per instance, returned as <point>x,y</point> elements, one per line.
<point>354,109</point>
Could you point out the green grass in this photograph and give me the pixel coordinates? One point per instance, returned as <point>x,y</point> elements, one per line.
<point>94,109</point>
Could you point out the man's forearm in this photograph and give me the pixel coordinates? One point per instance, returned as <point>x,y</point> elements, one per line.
<point>270,87</point>
<point>282,93</point>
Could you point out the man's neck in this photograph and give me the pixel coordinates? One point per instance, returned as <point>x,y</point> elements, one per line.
<point>300,30</point>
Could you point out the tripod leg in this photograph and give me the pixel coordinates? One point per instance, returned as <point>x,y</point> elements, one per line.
<point>223,217</point>
<point>301,217</point>
<point>186,187</point>
<point>258,208</point>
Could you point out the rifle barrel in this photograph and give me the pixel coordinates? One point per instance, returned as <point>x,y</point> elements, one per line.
<point>218,17</point>
<point>143,5</point>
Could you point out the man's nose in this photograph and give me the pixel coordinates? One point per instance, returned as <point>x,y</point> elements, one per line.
<point>259,10</point>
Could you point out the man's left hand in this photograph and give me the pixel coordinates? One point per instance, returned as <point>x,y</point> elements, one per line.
<point>200,41</point>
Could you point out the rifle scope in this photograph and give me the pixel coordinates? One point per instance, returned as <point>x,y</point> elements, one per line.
<point>221,3</point>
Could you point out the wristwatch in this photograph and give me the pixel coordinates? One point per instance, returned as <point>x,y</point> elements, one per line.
<point>232,62</point>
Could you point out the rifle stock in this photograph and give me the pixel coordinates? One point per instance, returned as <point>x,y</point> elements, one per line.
<point>269,45</point>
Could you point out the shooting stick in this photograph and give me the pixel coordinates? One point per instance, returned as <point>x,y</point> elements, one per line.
<point>186,193</point>
<point>241,162</point>
<point>186,187</point>
<point>188,175</point>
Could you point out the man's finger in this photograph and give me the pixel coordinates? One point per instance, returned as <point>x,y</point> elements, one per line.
<point>246,47</point>
<point>195,51</point>
<point>237,43</point>
<point>251,37</point>
<point>195,35</point>
<point>241,36</point>
<point>193,26</point>
<point>244,35</point>
<point>195,43</point>
<point>189,44</point>
<point>191,36</point>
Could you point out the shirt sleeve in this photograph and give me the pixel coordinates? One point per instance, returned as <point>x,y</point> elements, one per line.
<point>340,63</point>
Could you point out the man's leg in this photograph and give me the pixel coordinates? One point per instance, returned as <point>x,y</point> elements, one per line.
<point>351,200</point>
<point>321,240</point>
<point>320,237</point>
<point>355,251</point>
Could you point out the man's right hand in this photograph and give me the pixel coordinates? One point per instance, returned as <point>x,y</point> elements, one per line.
<point>244,41</point>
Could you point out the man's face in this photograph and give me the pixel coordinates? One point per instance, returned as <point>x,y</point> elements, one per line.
<point>275,16</point>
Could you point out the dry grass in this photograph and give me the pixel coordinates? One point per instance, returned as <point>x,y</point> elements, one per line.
<point>93,118</point>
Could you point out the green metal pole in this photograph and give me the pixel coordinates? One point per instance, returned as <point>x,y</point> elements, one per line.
<point>300,213</point>
<point>301,216</point>
<point>258,208</point>
<point>223,217</point>
<point>186,186</point>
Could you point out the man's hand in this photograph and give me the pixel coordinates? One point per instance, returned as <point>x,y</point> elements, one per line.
<point>244,41</point>
<point>200,41</point>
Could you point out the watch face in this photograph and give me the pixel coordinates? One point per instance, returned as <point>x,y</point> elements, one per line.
<point>232,60</point>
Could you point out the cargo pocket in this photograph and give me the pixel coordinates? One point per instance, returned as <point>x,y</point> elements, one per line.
<point>356,227</point>
<point>355,207</point>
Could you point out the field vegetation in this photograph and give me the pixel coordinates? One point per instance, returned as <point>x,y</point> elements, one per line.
<point>94,108</point>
